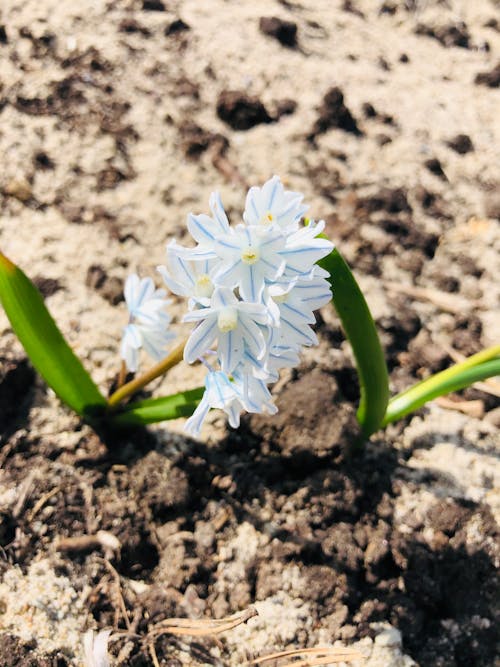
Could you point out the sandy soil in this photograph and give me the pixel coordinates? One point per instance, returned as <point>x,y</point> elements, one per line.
<point>119,118</point>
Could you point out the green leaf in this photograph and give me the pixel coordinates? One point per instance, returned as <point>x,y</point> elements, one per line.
<point>360,330</point>
<point>154,410</point>
<point>48,351</point>
<point>452,379</point>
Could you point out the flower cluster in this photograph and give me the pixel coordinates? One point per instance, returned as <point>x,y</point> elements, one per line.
<point>251,289</point>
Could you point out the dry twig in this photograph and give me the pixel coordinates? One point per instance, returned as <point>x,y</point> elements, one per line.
<point>41,502</point>
<point>203,626</point>
<point>315,656</point>
<point>450,303</point>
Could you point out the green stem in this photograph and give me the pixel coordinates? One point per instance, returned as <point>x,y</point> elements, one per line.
<point>478,367</point>
<point>361,333</point>
<point>156,371</point>
<point>154,410</point>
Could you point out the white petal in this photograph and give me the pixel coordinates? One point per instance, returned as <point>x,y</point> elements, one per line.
<point>200,314</point>
<point>130,291</point>
<point>154,343</point>
<point>145,291</point>
<point>252,212</point>
<point>218,212</point>
<point>251,283</point>
<point>228,274</point>
<point>201,339</point>
<point>229,350</point>
<point>223,297</point>
<point>202,228</point>
<point>101,658</point>
<point>269,191</point>
<point>195,422</point>
<point>253,337</point>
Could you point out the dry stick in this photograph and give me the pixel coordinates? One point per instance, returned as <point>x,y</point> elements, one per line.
<point>489,386</point>
<point>448,302</point>
<point>154,657</point>
<point>121,601</point>
<point>157,370</point>
<point>41,502</point>
<point>319,656</point>
<point>102,538</point>
<point>313,662</point>
<point>24,492</point>
<point>121,375</point>
<point>470,408</point>
<point>204,626</point>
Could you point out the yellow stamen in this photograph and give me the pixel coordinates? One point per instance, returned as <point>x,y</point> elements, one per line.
<point>267,218</point>
<point>203,286</point>
<point>250,255</point>
<point>227,319</point>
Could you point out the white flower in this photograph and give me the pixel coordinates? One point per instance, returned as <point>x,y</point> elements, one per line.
<point>148,321</point>
<point>271,204</point>
<point>220,393</point>
<point>233,323</point>
<point>295,304</point>
<point>95,649</point>
<point>203,228</point>
<point>250,257</point>
<point>303,249</point>
<point>255,395</point>
<point>187,277</point>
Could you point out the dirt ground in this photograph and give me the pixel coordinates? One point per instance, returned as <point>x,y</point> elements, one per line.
<point>117,119</point>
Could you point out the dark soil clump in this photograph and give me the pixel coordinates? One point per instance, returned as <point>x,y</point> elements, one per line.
<point>333,113</point>
<point>448,35</point>
<point>461,144</point>
<point>241,111</point>
<point>284,31</point>
<point>490,79</point>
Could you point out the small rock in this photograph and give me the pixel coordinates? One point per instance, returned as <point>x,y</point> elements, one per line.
<point>492,204</point>
<point>383,139</point>
<point>461,144</point>
<point>110,288</point>
<point>368,110</point>
<point>448,35</point>
<point>493,417</point>
<point>388,8</point>
<point>434,166</point>
<point>349,6</point>
<point>403,58</point>
<point>3,35</point>
<point>96,276</point>
<point>47,286</point>
<point>175,27</point>
<point>493,24</point>
<point>109,178</point>
<point>285,107</point>
<point>284,31</point>
<point>391,200</point>
<point>19,188</point>
<point>383,64</point>
<point>490,79</point>
<point>195,140</point>
<point>389,637</point>
<point>131,26</point>
<point>153,5</point>
<point>43,161</point>
<point>241,111</point>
